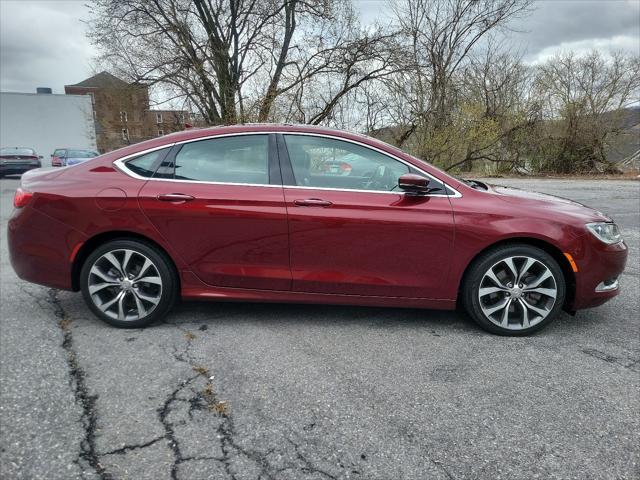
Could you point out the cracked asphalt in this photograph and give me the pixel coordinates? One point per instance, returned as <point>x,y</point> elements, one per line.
<point>254,391</point>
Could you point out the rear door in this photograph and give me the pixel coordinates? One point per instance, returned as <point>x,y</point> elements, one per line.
<point>351,230</point>
<point>219,202</point>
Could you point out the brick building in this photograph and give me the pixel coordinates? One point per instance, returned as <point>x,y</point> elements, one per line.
<point>122,114</point>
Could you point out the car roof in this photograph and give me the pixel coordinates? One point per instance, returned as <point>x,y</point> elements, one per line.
<point>254,127</point>
<point>204,132</point>
<point>197,133</point>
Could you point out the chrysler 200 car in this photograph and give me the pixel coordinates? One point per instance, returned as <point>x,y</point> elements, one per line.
<point>251,213</point>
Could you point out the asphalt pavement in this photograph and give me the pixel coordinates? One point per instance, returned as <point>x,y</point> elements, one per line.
<point>261,391</point>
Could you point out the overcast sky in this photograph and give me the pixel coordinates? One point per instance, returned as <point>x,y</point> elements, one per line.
<point>43,43</point>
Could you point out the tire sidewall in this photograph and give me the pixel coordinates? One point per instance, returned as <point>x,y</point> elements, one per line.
<point>480,266</point>
<point>162,263</point>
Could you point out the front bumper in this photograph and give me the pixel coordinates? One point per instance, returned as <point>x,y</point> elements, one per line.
<point>599,269</point>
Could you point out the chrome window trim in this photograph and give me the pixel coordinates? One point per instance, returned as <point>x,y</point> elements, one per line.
<point>120,164</point>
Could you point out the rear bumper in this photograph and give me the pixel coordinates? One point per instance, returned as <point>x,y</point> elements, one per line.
<point>40,248</point>
<point>17,168</point>
<point>600,265</point>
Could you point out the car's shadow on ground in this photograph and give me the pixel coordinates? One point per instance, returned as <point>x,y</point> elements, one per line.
<point>220,313</point>
<point>193,314</point>
<point>439,322</point>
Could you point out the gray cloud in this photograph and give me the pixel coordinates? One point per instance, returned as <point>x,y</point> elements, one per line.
<point>43,43</point>
<point>577,24</point>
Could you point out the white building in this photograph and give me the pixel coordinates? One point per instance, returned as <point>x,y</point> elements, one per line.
<point>46,121</point>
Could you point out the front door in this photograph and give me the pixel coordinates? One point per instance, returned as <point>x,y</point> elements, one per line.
<point>351,231</point>
<point>216,202</point>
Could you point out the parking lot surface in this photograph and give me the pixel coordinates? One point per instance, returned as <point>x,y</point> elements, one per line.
<point>259,391</point>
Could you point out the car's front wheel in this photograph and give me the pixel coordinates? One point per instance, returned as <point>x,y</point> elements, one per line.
<point>514,289</point>
<point>128,283</point>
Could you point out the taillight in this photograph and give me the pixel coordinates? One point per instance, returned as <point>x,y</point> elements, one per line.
<point>21,198</point>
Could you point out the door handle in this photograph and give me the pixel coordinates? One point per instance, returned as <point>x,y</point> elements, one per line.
<point>312,202</point>
<point>175,197</point>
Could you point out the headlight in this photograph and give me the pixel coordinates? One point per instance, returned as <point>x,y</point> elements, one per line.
<point>605,232</point>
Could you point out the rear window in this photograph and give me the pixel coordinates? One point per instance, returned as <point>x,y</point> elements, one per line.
<point>146,164</point>
<point>82,154</point>
<point>17,151</point>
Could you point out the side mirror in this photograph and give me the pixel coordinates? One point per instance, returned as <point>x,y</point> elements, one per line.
<point>414,184</point>
<point>40,157</point>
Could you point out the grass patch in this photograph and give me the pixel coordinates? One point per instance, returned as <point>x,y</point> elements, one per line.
<point>204,371</point>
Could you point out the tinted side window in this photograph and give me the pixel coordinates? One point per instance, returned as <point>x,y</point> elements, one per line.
<point>241,159</point>
<point>330,163</point>
<point>144,165</point>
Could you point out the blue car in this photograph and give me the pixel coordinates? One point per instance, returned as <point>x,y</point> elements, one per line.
<point>63,157</point>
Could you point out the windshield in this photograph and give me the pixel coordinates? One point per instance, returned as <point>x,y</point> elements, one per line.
<point>17,151</point>
<point>81,154</point>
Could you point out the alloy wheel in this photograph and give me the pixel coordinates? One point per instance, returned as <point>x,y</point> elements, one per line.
<point>125,284</point>
<point>517,292</point>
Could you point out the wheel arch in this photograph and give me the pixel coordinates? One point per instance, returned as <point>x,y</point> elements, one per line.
<point>99,239</point>
<point>551,249</point>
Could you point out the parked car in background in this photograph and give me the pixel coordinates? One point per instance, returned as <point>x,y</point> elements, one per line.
<point>63,157</point>
<point>345,165</point>
<point>16,160</point>
<point>249,213</point>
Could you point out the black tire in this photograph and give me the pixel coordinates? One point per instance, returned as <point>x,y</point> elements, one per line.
<point>470,293</point>
<point>166,293</point>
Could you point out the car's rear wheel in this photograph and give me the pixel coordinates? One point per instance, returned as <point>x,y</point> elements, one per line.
<point>128,283</point>
<point>514,290</point>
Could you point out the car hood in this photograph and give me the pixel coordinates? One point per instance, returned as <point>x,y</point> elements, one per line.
<point>548,203</point>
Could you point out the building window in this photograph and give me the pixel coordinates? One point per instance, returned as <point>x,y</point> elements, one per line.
<point>160,133</point>
<point>158,118</point>
<point>123,116</point>
<point>181,118</point>
<point>125,134</point>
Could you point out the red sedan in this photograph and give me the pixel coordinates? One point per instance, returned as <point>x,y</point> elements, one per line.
<point>251,213</point>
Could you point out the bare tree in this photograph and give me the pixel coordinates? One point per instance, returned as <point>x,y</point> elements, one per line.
<point>496,89</point>
<point>234,59</point>
<point>583,97</point>
<point>440,36</point>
